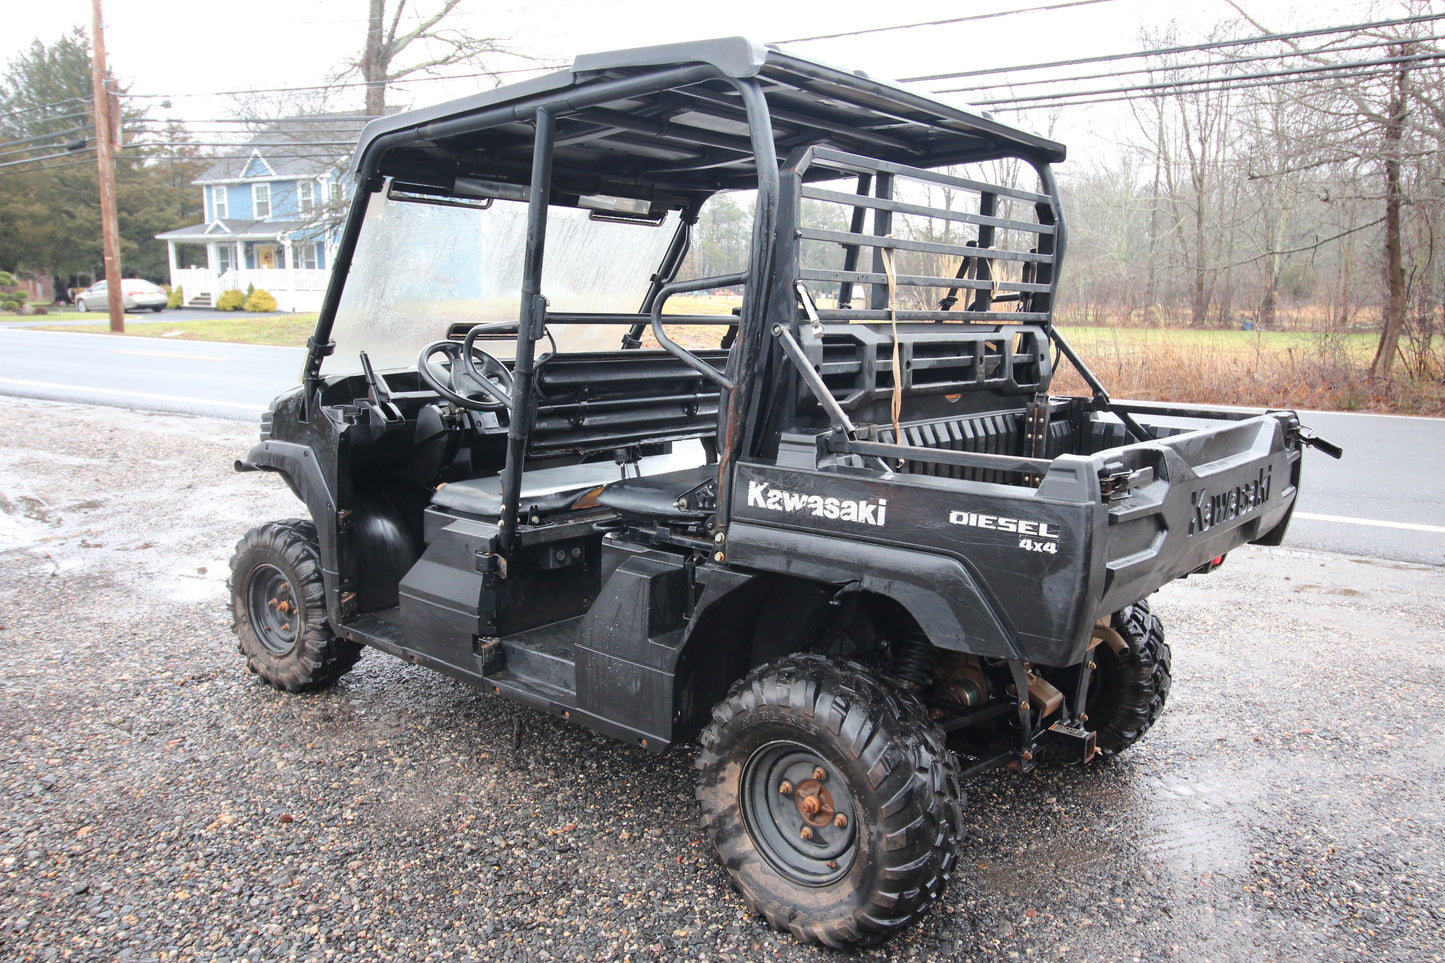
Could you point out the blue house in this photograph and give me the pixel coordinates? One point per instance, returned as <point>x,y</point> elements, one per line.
<point>273,210</point>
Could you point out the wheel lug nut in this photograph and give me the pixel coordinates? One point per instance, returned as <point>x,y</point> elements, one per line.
<point>786,789</point>
<point>819,774</point>
<point>840,820</point>
<point>806,832</point>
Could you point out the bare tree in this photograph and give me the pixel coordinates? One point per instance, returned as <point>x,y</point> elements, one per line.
<point>1386,122</point>
<point>1191,136</point>
<point>387,38</point>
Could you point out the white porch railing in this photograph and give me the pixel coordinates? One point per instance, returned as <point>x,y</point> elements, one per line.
<point>194,280</point>
<point>295,289</point>
<point>275,280</point>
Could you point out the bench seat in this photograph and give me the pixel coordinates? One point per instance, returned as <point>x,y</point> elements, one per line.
<point>550,491</point>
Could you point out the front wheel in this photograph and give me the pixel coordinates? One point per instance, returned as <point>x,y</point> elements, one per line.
<point>279,605</point>
<point>831,800</point>
<point>80,305</point>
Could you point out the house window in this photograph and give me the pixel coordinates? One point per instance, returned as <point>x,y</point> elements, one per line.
<point>218,202</point>
<point>261,201</point>
<point>308,256</point>
<point>226,255</point>
<point>335,191</point>
<point>306,197</point>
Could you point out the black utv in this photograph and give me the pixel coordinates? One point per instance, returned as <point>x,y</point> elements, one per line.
<point>818,513</point>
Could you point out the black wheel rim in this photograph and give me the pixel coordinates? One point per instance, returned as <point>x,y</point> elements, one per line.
<point>271,603</point>
<point>804,826</point>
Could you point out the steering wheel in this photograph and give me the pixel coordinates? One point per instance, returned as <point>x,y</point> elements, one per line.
<point>465,379</point>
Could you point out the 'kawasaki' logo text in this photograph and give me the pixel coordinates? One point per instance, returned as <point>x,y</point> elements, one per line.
<point>1215,509</point>
<point>868,511</point>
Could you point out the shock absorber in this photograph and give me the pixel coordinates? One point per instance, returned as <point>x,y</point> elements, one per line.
<point>913,661</point>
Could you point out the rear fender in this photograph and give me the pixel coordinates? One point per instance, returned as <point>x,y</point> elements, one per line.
<point>938,591</point>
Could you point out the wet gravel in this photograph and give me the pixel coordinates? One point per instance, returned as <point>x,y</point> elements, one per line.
<point>160,804</point>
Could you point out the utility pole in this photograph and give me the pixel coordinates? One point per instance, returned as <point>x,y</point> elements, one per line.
<point>105,126</point>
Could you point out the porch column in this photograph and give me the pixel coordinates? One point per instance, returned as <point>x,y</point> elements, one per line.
<point>171,258</point>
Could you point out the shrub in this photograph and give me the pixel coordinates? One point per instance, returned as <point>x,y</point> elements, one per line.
<point>11,300</point>
<point>260,300</point>
<point>230,300</point>
<point>176,296</point>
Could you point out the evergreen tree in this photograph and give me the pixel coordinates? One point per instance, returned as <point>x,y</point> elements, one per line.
<point>49,195</point>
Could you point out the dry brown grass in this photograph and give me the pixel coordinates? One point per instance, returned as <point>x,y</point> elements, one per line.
<point>1327,372</point>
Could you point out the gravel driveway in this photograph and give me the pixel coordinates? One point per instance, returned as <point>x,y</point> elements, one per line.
<point>160,804</point>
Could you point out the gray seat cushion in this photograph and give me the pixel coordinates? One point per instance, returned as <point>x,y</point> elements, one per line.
<point>687,493</point>
<point>548,491</point>
<point>544,492</point>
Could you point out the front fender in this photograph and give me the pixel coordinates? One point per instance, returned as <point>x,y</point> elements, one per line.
<point>297,465</point>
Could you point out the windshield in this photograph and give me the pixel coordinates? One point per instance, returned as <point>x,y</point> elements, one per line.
<point>421,267</point>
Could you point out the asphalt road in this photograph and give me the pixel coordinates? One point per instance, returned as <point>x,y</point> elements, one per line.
<point>1385,499</point>
<point>158,803</point>
<point>190,377</point>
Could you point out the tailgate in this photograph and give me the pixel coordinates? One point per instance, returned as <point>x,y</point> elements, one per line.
<point>1177,503</point>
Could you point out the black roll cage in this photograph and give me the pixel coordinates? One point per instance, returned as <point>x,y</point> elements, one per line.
<point>768,297</point>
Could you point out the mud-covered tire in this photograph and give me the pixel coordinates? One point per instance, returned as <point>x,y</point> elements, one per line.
<point>887,771</point>
<point>278,603</point>
<point>1128,689</point>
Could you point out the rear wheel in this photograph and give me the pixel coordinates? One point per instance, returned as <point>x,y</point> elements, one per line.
<point>1129,686</point>
<point>279,605</point>
<point>831,800</point>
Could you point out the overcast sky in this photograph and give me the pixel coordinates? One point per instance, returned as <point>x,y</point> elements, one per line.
<point>182,49</point>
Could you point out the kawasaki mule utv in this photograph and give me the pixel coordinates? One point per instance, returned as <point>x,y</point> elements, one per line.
<point>816,510</point>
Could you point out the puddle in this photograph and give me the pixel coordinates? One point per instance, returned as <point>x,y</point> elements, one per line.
<point>27,506</point>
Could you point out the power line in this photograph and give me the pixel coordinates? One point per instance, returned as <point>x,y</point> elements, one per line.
<point>43,157</point>
<point>1195,65</point>
<point>88,162</point>
<point>1178,84</point>
<point>361,83</point>
<point>1143,93</point>
<point>58,103</point>
<point>940,23</point>
<point>1188,48</point>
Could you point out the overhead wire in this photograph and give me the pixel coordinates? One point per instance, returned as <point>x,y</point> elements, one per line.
<point>1186,48</point>
<point>940,23</point>
<point>1193,65</point>
<point>1064,98</point>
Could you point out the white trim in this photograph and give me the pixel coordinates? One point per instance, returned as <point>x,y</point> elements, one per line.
<point>256,156</point>
<point>306,191</point>
<point>211,181</point>
<point>256,214</point>
<point>214,226</point>
<point>223,209</point>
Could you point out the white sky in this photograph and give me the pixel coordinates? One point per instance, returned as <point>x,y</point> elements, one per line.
<point>183,49</point>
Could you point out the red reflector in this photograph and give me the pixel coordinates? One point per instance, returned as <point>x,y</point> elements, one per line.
<point>1219,560</point>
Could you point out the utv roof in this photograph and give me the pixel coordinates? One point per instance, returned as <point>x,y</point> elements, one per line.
<point>677,126</point>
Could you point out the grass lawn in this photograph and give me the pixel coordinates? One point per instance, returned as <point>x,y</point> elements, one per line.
<point>290,330</point>
<point>1239,344</point>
